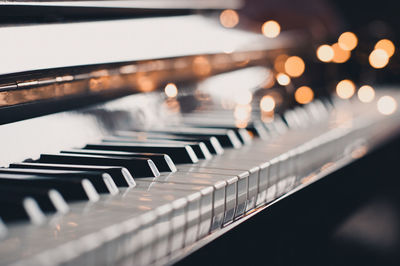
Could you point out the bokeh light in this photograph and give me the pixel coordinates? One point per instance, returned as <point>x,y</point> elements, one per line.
<point>294,66</point>
<point>267,103</point>
<point>229,18</point>
<point>366,94</point>
<point>201,66</point>
<point>243,97</point>
<point>387,105</point>
<point>325,53</point>
<point>348,41</point>
<point>279,62</point>
<point>340,55</point>
<point>387,46</point>
<point>282,79</point>
<point>171,90</point>
<point>304,95</point>
<point>345,89</point>
<point>378,58</point>
<point>242,112</point>
<point>271,29</point>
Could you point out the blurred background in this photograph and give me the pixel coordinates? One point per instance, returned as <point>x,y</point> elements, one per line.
<point>343,48</point>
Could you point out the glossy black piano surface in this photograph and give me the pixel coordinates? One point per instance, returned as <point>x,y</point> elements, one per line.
<point>198,132</point>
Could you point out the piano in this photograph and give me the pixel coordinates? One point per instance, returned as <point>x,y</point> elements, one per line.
<point>162,132</point>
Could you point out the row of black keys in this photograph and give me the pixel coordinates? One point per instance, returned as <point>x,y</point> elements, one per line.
<point>80,174</point>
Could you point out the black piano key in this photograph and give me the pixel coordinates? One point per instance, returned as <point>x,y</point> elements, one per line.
<point>49,200</point>
<point>243,135</point>
<point>178,152</point>
<point>163,162</point>
<point>71,189</point>
<point>258,129</point>
<point>199,148</point>
<point>19,209</point>
<point>226,137</point>
<point>255,127</point>
<point>3,229</point>
<point>120,175</point>
<point>212,143</point>
<point>138,167</point>
<point>101,181</point>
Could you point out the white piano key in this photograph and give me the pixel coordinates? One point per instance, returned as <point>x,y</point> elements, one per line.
<point>228,189</point>
<point>206,204</point>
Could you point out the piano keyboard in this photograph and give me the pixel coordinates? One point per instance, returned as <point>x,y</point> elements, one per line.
<point>139,196</point>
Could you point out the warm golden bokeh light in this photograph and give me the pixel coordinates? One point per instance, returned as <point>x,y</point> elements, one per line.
<point>387,46</point>
<point>282,79</point>
<point>171,90</point>
<point>366,94</point>
<point>229,18</point>
<point>325,53</point>
<point>271,29</point>
<point>304,95</point>
<point>345,89</point>
<point>243,97</point>
<point>386,105</point>
<point>340,55</point>
<point>146,84</point>
<point>348,41</point>
<point>242,113</point>
<point>267,103</point>
<point>241,124</point>
<point>378,58</point>
<point>294,66</point>
<point>279,62</point>
<point>201,66</point>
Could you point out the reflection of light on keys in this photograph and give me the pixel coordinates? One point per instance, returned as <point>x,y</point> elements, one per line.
<point>340,55</point>
<point>348,41</point>
<point>271,29</point>
<point>201,66</point>
<point>268,82</point>
<point>378,58</point>
<point>345,89</point>
<point>242,112</point>
<point>243,97</point>
<point>171,90</point>
<point>366,94</point>
<point>386,105</point>
<point>146,84</point>
<point>304,95</point>
<point>387,46</point>
<point>283,79</point>
<point>294,66</point>
<point>325,53</point>
<point>267,104</point>
<point>229,18</point>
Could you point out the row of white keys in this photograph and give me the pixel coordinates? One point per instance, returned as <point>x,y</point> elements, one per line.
<point>206,209</point>
<point>281,162</point>
<point>133,204</point>
<point>225,191</point>
<point>235,195</point>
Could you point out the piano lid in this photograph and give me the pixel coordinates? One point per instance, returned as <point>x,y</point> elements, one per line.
<point>50,46</point>
<point>134,4</point>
